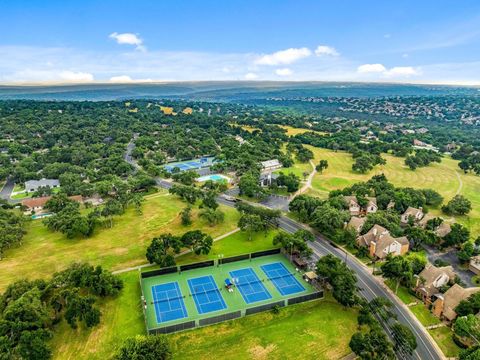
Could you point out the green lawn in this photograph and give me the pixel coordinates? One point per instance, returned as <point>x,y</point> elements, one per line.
<point>234,244</point>
<point>44,252</point>
<point>402,292</point>
<point>443,337</point>
<point>424,315</point>
<point>315,330</point>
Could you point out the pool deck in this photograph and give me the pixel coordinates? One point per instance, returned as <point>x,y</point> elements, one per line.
<point>234,301</point>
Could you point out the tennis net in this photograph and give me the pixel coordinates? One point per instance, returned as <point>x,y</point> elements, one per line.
<point>157,301</point>
<point>204,292</point>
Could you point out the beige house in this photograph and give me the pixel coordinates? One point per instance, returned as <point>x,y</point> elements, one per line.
<point>416,214</point>
<point>356,223</point>
<point>431,279</point>
<point>355,209</point>
<point>474,265</point>
<point>445,304</point>
<point>443,230</point>
<point>380,243</point>
<point>37,204</point>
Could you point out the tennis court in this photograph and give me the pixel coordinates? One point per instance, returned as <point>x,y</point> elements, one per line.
<point>206,294</point>
<point>227,289</point>
<point>168,302</point>
<point>190,164</point>
<point>249,285</point>
<point>282,279</point>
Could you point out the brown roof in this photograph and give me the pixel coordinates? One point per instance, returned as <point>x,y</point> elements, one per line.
<point>425,219</point>
<point>431,274</point>
<point>412,211</point>
<point>443,229</point>
<point>356,222</point>
<point>41,201</point>
<point>382,239</point>
<point>453,297</point>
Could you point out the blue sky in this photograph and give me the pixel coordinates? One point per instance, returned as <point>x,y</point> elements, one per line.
<point>418,41</point>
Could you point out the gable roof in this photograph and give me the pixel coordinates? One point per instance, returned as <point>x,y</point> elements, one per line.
<point>431,274</point>
<point>443,229</point>
<point>412,211</point>
<point>374,234</point>
<point>356,222</point>
<point>453,297</point>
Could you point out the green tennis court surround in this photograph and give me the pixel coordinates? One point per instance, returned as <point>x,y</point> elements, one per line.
<point>216,296</point>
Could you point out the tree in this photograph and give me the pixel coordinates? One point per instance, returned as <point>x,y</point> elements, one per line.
<point>250,223</point>
<point>290,181</point>
<point>188,193</point>
<point>294,243</point>
<point>249,185</point>
<point>404,338</point>
<point>459,205</point>
<point>467,251</point>
<point>197,241</point>
<point>469,306</point>
<point>162,248</point>
<point>112,207</point>
<point>327,219</point>
<point>322,165</point>
<point>185,177</point>
<point>213,217</point>
<point>186,216</point>
<point>209,200</point>
<point>468,327</point>
<point>399,269</point>
<point>304,206</point>
<point>340,277</point>
<point>154,347</point>
<point>470,354</point>
<point>457,236</point>
<point>372,345</point>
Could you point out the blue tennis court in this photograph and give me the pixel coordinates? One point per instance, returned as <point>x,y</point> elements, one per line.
<point>168,302</point>
<point>189,165</point>
<point>284,280</point>
<point>206,295</point>
<point>249,285</point>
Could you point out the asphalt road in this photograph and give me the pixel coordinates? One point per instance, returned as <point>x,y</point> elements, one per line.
<point>7,190</point>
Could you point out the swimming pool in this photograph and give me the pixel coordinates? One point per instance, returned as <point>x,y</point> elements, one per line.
<point>213,177</point>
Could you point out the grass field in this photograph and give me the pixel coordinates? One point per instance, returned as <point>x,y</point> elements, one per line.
<point>44,252</point>
<point>424,315</point>
<point>314,330</point>
<point>446,178</point>
<point>233,301</point>
<point>443,337</point>
<point>292,131</point>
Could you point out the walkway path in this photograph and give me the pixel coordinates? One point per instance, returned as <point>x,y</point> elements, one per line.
<point>460,185</point>
<point>308,183</point>
<point>180,254</point>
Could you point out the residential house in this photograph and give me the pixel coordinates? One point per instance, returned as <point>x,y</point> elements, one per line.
<point>380,243</point>
<point>431,279</point>
<point>474,265</point>
<point>443,230</point>
<point>37,204</point>
<point>33,185</point>
<point>444,306</point>
<point>416,214</point>
<point>419,143</point>
<point>270,165</point>
<point>356,223</point>
<point>355,209</point>
<point>424,220</point>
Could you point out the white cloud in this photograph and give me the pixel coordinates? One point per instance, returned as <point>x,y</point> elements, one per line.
<point>322,50</point>
<point>122,79</point>
<point>403,71</point>
<point>72,76</point>
<point>128,39</point>
<point>283,72</point>
<point>405,55</point>
<point>284,57</point>
<point>371,68</point>
<point>251,76</point>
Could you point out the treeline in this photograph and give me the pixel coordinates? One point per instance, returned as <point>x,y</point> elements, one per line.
<point>30,310</point>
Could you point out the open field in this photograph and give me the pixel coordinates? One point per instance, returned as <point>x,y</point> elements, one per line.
<point>319,329</point>
<point>44,252</point>
<point>292,131</point>
<point>446,178</point>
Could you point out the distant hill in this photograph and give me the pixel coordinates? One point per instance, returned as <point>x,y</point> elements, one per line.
<point>226,91</point>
